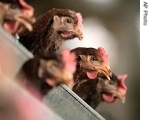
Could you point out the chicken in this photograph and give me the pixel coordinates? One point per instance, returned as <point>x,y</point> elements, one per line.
<point>94,82</point>
<point>90,62</point>
<point>51,30</point>
<point>15,15</point>
<point>39,75</point>
<point>93,92</point>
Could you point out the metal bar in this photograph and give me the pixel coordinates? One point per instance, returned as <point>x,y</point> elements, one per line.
<point>18,104</point>
<point>12,54</point>
<point>70,106</point>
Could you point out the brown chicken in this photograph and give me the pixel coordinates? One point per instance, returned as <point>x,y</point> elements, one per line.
<point>91,62</point>
<point>15,15</point>
<point>39,75</point>
<point>51,30</point>
<point>93,80</point>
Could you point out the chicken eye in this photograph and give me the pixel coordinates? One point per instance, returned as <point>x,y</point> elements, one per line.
<point>111,82</point>
<point>13,6</point>
<point>78,58</point>
<point>55,64</point>
<point>68,20</point>
<point>93,58</point>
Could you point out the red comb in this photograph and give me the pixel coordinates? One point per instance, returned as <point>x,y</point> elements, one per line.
<point>25,5</point>
<point>104,55</point>
<point>122,86</point>
<point>28,9</point>
<point>80,20</point>
<point>69,61</point>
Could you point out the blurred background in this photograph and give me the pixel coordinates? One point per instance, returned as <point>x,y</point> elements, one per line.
<point>114,25</point>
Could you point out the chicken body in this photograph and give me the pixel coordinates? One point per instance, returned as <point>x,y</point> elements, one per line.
<point>91,78</point>
<point>15,15</point>
<point>51,30</point>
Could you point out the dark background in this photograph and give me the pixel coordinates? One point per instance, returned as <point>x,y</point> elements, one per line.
<point>114,25</point>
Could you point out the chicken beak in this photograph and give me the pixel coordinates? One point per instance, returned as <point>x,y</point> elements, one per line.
<point>106,72</point>
<point>64,77</point>
<point>68,79</point>
<point>107,76</point>
<point>26,17</point>
<point>118,95</point>
<point>25,21</point>
<point>77,33</point>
